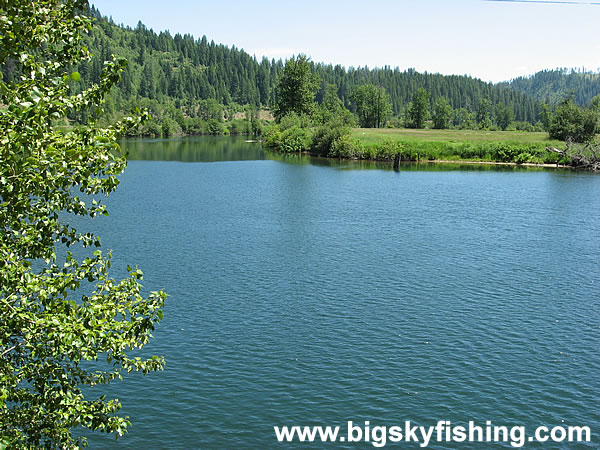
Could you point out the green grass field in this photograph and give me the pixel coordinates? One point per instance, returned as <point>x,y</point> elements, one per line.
<point>376,135</point>
<point>447,145</point>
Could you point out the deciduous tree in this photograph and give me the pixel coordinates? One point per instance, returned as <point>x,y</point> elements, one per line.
<point>418,112</point>
<point>546,116</point>
<point>333,109</point>
<point>483,114</point>
<point>59,312</point>
<point>373,105</point>
<point>442,113</point>
<point>296,88</point>
<point>504,115</point>
<point>571,122</point>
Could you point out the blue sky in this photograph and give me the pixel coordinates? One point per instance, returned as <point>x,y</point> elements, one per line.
<point>491,40</point>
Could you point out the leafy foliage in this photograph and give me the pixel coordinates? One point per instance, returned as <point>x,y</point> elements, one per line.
<point>504,115</point>
<point>327,134</point>
<point>463,119</point>
<point>372,104</point>
<point>546,116</point>
<point>483,114</point>
<point>571,122</point>
<point>332,108</point>
<point>418,111</point>
<point>58,312</point>
<point>442,113</point>
<point>296,88</point>
<point>295,139</point>
<point>385,149</point>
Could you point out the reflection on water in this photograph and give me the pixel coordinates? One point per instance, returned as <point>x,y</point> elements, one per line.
<point>193,149</point>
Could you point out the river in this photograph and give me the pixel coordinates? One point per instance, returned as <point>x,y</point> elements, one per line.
<point>315,292</point>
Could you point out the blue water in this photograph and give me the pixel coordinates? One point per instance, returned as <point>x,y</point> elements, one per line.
<point>311,294</point>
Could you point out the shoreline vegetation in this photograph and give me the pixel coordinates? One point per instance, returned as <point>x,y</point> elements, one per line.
<point>444,146</point>
<point>333,140</point>
<point>194,87</point>
<point>423,133</point>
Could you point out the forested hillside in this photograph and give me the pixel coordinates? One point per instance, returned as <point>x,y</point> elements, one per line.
<point>187,82</point>
<point>552,86</point>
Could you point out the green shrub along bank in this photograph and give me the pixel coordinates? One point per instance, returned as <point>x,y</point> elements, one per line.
<point>507,152</point>
<point>335,140</point>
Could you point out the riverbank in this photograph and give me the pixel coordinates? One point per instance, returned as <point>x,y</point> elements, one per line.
<point>498,163</point>
<point>451,145</point>
<point>472,146</point>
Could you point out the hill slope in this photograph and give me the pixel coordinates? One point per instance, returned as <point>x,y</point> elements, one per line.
<point>176,73</point>
<point>552,86</point>
<point>188,70</point>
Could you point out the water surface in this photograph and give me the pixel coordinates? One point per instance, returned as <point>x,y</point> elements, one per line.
<point>313,292</point>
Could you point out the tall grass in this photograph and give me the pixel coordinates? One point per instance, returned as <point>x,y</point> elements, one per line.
<point>417,145</point>
<point>451,145</point>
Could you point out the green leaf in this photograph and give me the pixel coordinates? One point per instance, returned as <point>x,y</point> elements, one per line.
<point>47,326</point>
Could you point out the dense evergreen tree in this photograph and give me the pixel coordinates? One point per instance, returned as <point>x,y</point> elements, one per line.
<point>596,103</point>
<point>553,86</point>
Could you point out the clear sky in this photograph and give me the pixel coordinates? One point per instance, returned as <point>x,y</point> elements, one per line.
<point>491,40</point>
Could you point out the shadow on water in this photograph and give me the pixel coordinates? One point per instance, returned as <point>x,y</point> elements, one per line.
<point>240,148</point>
<point>423,166</point>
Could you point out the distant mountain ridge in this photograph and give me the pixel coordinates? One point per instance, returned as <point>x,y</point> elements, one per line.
<point>552,86</point>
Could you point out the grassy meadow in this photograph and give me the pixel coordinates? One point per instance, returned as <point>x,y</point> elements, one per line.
<point>449,145</point>
<point>376,135</point>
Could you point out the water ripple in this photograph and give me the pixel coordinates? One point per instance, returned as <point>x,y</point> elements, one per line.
<point>303,295</point>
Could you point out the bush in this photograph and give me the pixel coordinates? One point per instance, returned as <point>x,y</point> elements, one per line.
<point>215,127</point>
<point>151,129</point>
<point>239,126</point>
<point>505,152</point>
<point>570,122</point>
<point>272,136</point>
<point>169,127</point>
<point>394,122</point>
<point>524,126</point>
<point>347,147</point>
<point>523,158</point>
<point>295,139</point>
<point>256,127</point>
<point>388,149</point>
<point>294,120</point>
<point>326,134</point>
